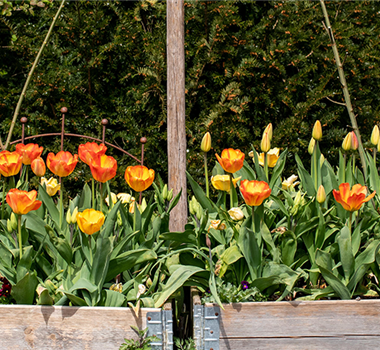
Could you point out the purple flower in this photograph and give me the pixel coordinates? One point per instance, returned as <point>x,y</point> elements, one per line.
<point>244,285</point>
<point>5,288</point>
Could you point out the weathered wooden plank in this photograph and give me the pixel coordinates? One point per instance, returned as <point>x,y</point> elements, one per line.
<point>330,318</point>
<point>311,343</point>
<point>70,328</point>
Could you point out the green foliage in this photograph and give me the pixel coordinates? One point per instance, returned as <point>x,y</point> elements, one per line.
<point>142,343</point>
<point>184,344</point>
<point>247,63</point>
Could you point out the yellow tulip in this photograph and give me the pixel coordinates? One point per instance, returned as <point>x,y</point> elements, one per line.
<point>265,143</point>
<point>236,214</point>
<point>375,136</point>
<point>310,149</point>
<point>222,182</point>
<point>272,155</point>
<point>52,185</point>
<point>206,142</point>
<point>90,221</point>
<point>317,131</point>
<point>290,182</point>
<point>321,194</point>
<point>346,144</point>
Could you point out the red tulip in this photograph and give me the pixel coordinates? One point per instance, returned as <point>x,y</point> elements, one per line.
<point>254,192</point>
<point>103,168</point>
<point>10,163</point>
<point>139,177</point>
<point>231,160</point>
<point>62,164</point>
<point>38,167</point>
<point>22,202</point>
<point>91,150</point>
<point>353,199</point>
<point>29,152</point>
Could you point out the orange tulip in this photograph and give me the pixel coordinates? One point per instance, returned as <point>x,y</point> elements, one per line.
<point>91,150</point>
<point>254,192</point>
<point>231,160</point>
<point>139,177</point>
<point>38,167</point>
<point>103,168</point>
<point>62,164</point>
<point>29,152</point>
<point>90,221</point>
<point>10,163</point>
<point>22,202</point>
<point>352,200</point>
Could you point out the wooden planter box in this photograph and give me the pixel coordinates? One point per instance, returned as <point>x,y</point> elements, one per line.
<point>80,328</point>
<point>295,325</point>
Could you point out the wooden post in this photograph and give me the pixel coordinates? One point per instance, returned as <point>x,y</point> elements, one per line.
<point>176,109</point>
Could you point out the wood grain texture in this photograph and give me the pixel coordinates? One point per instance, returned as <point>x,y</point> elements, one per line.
<point>176,110</point>
<point>70,328</point>
<point>330,324</point>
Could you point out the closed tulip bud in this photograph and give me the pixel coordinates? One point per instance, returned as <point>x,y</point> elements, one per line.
<point>199,212</point>
<point>265,143</point>
<point>269,130</point>
<point>193,205</point>
<point>143,206</point>
<point>38,167</point>
<point>9,226</point>
<point>170,195</point>
<point>375,136</point>
<point>206,142</point>
<point>13,221</point>
<point>354,141</point>
<point>346,145</point>
<point>208,241</point>
<point>74,215</point>
<point>321,194</point>
<point>165,192</point>
<point>311,146</point>
<point>321,160</point>
<point>378,147</point>
<point>317,131</point>
<point>68,216</point>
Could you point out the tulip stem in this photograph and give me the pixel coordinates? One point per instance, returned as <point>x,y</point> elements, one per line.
<point>89,245</point>
<point>344,167</point>
<point>93,193</point>
<point>231,192</point>
<point>315,166</point>
<point>101,197</point>
<point>253,218</point>
<point>19,235</point>
<point>206,173</point>
<point>350,221</point>
<point>266,165</point>
<point>374,155</point>
<point>3,201</point>
<point>61,204</point>
<point>353,165</point>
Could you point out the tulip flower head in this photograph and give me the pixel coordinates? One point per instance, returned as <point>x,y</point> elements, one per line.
<point>317,131</point>
<point>103,168</point>
<point>90,150</point>
<point>113,197</point>
<point>222,182</point>
<point>236,214</point>
<point>90,221</point>
<point>217,225</point>
<point>321,194</point>
<point>269,130</point>
<point>310,149</point>
<point>354,141</point>
<point>290,182</point>
<point>254,192</point>
<point>272,157</point>
<point>61,164</point>
<point>346,144</point>
<point>125,198</point>
<point>139,177</point>
<point>29,152</point>
<point>22,202</point>
<point>353,199</point>
<point>265,143</point>
<point>375,136</point>
<point>231,160</point>
<point>10,163</point>
<point>52,185</point>
<point>206,142</point>
<point>38,167</point>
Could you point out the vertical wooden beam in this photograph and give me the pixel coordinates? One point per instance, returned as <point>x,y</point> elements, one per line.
<point>176,109</point>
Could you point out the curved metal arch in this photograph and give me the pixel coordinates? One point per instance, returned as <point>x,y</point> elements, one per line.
<point>81,136</point>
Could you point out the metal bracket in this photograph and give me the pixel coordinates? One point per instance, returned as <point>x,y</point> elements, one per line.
<point>160,324</point>
<point>206,327</point>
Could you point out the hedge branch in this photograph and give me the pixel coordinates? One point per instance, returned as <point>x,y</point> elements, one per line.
<point>17,110</point>
<point>346,94</point>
